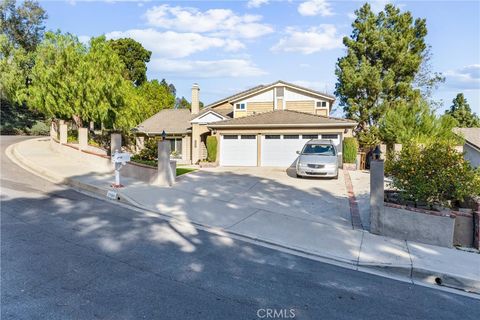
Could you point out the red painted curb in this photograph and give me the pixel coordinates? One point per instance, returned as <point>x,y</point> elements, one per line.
<point>354,212</point>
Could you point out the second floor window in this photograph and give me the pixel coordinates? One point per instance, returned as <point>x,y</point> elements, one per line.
<point>240,106</point>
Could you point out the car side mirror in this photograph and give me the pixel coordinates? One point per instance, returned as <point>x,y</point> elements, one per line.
<point>298,152</point>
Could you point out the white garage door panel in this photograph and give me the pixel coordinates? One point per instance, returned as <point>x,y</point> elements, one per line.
<point>238,152</point>
<point>283,152</point>
<point>280,152</point>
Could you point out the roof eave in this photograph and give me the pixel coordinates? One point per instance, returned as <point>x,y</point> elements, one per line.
<point>308,125</point>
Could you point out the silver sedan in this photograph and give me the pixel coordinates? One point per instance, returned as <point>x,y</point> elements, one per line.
<point>318,158</point>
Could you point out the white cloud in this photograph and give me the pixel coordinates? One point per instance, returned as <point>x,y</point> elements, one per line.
<point>314,39</point>
<point>315,8</point>
<point>220,22</point>
<point>256,3</point>
<point>465,78</point>
<point>176,45</point>
<point>207,68</point>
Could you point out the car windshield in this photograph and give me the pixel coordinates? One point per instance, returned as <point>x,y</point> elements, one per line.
<point>320,149</point>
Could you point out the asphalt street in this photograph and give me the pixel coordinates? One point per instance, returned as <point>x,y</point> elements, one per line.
<point>65,255</point>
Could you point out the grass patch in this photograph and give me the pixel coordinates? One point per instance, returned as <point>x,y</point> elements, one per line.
<point>181,171</point>
<point>153,163</point>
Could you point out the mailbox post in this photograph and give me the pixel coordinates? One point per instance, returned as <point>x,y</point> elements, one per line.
<point>119,159</point>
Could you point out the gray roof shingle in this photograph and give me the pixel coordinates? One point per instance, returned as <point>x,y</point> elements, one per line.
<point>471,135</point>
<point>171,120</point>
<point>283,118</point>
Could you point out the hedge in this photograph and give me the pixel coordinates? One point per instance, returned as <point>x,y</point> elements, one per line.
<point>211,148</point>
<point>350,150</point>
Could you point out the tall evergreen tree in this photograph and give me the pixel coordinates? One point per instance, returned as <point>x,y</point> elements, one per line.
<point>460,111</point>
<point>384,55</point>
<point>135,58</point>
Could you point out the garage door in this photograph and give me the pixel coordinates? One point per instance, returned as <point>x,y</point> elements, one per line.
<point>281,150</point>
<point>238,150</point>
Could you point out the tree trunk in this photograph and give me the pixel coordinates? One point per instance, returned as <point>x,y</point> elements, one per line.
<point>78,121</point>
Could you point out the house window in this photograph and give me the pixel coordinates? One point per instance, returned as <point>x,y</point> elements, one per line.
<point>321,104</point>
<point>240,106</point>
<point>271,136</point>
<point>310,136</point>
<point>280,92</point>
<point>250,136</point>
<point>330,136</point>
<point>176,147</point>
<point>230,137</point>
<point>290,136</point>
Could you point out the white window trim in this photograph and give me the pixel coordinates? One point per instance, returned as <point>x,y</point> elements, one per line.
<point>317,107</point>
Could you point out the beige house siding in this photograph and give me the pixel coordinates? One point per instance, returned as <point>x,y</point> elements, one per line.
<point>241,113</point>
<point>259,107</point>
<point>307,106</point>
<point>322,112</point>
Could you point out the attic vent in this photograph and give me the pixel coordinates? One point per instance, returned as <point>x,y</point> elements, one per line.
<point>280,92</point>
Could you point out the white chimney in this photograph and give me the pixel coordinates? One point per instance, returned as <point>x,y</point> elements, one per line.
<point>195,109</point>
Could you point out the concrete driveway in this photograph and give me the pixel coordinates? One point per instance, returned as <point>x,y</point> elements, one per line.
<point>274,190</point>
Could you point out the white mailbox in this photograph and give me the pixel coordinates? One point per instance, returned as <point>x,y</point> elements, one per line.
<point>121,157</point>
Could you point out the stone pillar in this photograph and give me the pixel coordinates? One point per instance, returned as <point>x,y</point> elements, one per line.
<point>115,143</point>
<point>83,138</point>
<point>92,126</point>
<point>63,133</point>
<point>376,195</point>
<point>383,150</point>
<point>53,130</point>
<point>397,147</point>
<point>165,176</point>
<point>139,143</point>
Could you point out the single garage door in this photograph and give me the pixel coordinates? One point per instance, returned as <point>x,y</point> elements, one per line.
<point>238,150</point>
<point>280,150</point>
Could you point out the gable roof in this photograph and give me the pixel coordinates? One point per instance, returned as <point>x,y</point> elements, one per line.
<point>471,135</point>
<point>261,87</point>
<point>171,120</point>
<point>283,119</point>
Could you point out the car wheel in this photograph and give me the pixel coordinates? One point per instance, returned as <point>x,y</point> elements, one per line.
<point>299,176</point>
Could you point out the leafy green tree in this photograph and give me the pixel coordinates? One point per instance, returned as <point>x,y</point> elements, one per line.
<point>384,54</point>
<point>416,123</point>
<point>135,58</point>
<point>182,103</point>
<point>460,111</point>
<point>23,25</point>
<point>71,82</point>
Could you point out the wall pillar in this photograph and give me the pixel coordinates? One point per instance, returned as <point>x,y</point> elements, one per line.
<point>196,140</point>
<point>83,138</point>
<point>139,143</point>
<point>376,195</point>
<point>63,133</point>
<point>115,143</point>
<point>53,130</point>
<point>166,175</point>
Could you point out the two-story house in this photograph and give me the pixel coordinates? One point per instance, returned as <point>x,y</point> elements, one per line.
<point>263,126</point>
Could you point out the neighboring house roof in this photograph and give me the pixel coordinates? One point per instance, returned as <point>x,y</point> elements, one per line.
<point>173,121</point>
<point>251,91</point>
<point>471,135</point>
<point>283,118</point>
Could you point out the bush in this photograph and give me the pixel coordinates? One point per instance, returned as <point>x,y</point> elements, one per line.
<point>434,175</point>
<point>350,150</point>
<point>39,129</point>
<point>9,130</point>
<point>72,136</point>
<point>211,148</point>
<point>150,150</point>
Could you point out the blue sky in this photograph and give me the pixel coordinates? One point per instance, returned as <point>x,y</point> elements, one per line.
<point>228,46</point>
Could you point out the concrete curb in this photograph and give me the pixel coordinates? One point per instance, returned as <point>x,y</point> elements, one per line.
<point>405,273</point>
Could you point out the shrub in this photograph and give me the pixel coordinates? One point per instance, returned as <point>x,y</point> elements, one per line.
<point>150,150</point>
<point>211,148</point>
<point>9,130</point>
<point>350,150</point>
<point>435,175</point>
<point>39,129</point>
<point>72,136</point>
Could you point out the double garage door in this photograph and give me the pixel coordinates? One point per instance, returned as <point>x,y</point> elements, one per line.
<point>277,150</point>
